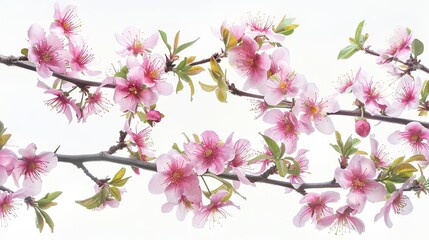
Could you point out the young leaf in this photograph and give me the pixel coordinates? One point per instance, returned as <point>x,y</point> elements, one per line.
<point>39,220</point>
<point>221,95</point>
<point>48,220</point>
<point>184,46</point>
<point>417,47</point>
<point>114,191</point>
<point>281,167</point>
<point>176,41</point>
<point>24,52</point>
<point>272,145</point>
<point>358,34</point>
<point>207,88</point>
<point>347,51</point>
<point>179,86</point>
<point>120,183</point>
<point>96,200</point>
<point>119,175</point>
<point>164,39</point>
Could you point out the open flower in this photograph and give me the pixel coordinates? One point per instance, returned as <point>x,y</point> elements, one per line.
<point>315,207</point>
<point>8,205</point>
<point>81,58</point>
<point>141,141</point>
<point>239,163</point>
<point>378,153</point>
<point>301,159</point>
<point>415,136</point>
<point>261,25</point>
<point>400,46</point>
<point>8,161</point>
<point>369,93</point>
<point>134,44</point>
<point>66,21</point>
<point>406,96</point>
<point>342,220</point>
<point>184,205</point>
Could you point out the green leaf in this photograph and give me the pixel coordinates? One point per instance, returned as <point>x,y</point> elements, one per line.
<point>281,167</point>
<point>119,175</point>
<point>49,197</point>
<point>164,39</point>
<point>114,191</point>
<point>122,73</point>
<point>423,93</point>
<point>339,140</point>
<point>282,149</point>
<point>120,183</point>
<point>3,139</point>
<point>96,200</point>
<point>260,157</point>
<point>24,52</point>
<point>176,41</point>
<point>191,86</point>
<point>181,65</point>
<point>404,168</point>
<point>207,88</point>
<point>176,147</point>
<point>2,128</point>
<point>397,161</point>
<point>336,148</point>
<point>272,145</point>
<point>179,86</point>
<point>39,220</point>
<point>221,95</point>
<point>418,157</point>
<point>417,47</point>
<point>295,169</point>
<point>48,220</point>
<point>224,182</point>
<point>184,46</point>
<point>347,51</point>
<point>358,34</point>
<point>390,187</point>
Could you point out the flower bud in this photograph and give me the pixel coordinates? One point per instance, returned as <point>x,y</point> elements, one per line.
<point>154,115</point>
<point>362,127</point>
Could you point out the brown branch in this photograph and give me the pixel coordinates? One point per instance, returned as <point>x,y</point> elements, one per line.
<point>5,189</point>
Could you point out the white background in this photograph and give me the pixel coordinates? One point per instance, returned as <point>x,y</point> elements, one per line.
<point>325,27</point>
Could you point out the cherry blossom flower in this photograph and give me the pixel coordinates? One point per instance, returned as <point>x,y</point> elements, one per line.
<point>211,154</point>
<point>286,128</point>
<point>141,141</point>
<point>248,63</point>
<point>359,178</point>
<point>95,103</point>
<point>346,82</point>
<point>80,59</point>
<point>378,154</point>
<point>398,203</point>
<point>362,127</point>
<point>133,42</point>
<point>31,166</point>
<point>175,177</point>
<point>8,161</point>
<point>183,207</point>
<point>315,207</point>
<point>239,163</point>
<point>8,205</point>
<point>261,25</point>
<point>132,91</point>
<point>61,102</point>
<point>415,135</point>
<point>66,21</point>
<point>46,52</point>
<point>315,110</point>
<point>400,46</point>
<point>406,96</point>
<point>236,30</point>
<point>265,163</point>
<point>214,211</point>
<point>369,93</point>
<point>342,220</point>
<point>301,159</point>
<point>259,107</point>
<point>279,57</point>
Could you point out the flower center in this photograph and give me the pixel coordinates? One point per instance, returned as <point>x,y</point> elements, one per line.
<point>283,85</point>
<point>358,184</point>
<point>314,109</point>
<point>46,57</point>
<point>208,153</point>
<point>176,176</point>
<point>415,138</point>
<point>31,166</point>
<point>133,89</point>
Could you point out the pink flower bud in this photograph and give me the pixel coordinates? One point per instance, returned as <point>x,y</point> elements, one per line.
<point>154,115</point>
<point>362,127</point>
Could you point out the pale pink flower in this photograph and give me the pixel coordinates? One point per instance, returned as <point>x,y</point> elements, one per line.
<point>398,202</point>
<point>61,102</point>
<point>369,94</point>
<point>279,57</point>
<point>214,211</point>
<point>32,166</point>
<point>236,30</point>
<point>261,25</point>
<point>183,207</point>
<point>211,154</point>
<point>341,221</point>
<point>133,42</point>
<point>400,46</point>
<point>46,52</point>
<point>141,140</point>
<point>315,110</point>
<point>265,163</point>
<point>249,63</point>
<point>80,59</point>
<point>132,91</point>
<point>302,160</point>
<point>362,127</point>
<point>315,207</point>
<point>95,103</point>
<point>407,96</point>
<point>359,178</point>
<point>175,177</point>
<point>378,154</point>
<point>8,205</point>
<point>241,156</point>
<point>259,107</point>
<point>346,82</point>
<point>286,128</point>
<point>66,21</point>
<point>415,135</point>
<point>8,161</point>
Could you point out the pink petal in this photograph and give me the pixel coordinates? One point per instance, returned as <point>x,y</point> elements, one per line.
<point>329,196</point>
<point>324,125</point>
<point>376,192</point>
<point>303,216</point>
<point>273,116</point>
<point>157,184</point>
<point>35,33</point>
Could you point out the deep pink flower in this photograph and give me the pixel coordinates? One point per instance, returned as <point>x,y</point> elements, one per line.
<point>241,156</point>
<point>66,21</point>
<point>31,166</point>
<point>315,110</point>
<point>46,52</point>
<point>368,93</point>
<point>398,202</point>
<point>359,178</point>
<point>301,159</point>
<point>214,211</point>
<point>249,63</point>
<point>141,141</point>
<point>261,25</point>
<point>8,205</point>
<point>154,115</point>
<point>315,207</point>
<point>342,219</point>
<point>175,177</point>
<point>133,42</point>
<point>8,161</point>
<point>132,91</point>
<point>95,103</point>
<point>362,127</point>
<point>286,128</point>
<point>407,96</point>
<point>211,154</point>
<point>183,207</point>
<point>81,58</point>
<point>415,135</point>
<point>61,102</point>
<point>400,46</point>
<point>378,154</point>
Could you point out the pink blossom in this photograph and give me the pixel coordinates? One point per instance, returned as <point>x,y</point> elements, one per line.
<point>315,207</point>
<point>369,93</point>
<point>264,162</point>
<point>259,107</point>
<point>132,91</point>
<point>81,58</point>
<point>61,102</point>
<point>315,110</point>
<point>279,57</point>
<point>183,207</point>
<point>346,82</point>
<point>236,30</point>
<point>248,63</point>
<point>261,25</point>
<point>286,128</point>
<point>154,115</point>
<point>133,42</point>
<point>214,211</point>
<point>175,177</point>
<point>301,159</point>
<point>8,205</point>
<point>95,103</point>
<point>31,166</point>
<point>362,127</point>
<point>415,135</point>
<point>398,202</point>
<point>400,46</point>
<point>342,219</point>
<point>141,141</point>
<point>8,161</point>
<point>211,154</point>
<point>359,178</point>
<point>378,154</point>
<point>241,155</point>
<point>406,96</point>
<point>65,22</point>
<point>46,52</point>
